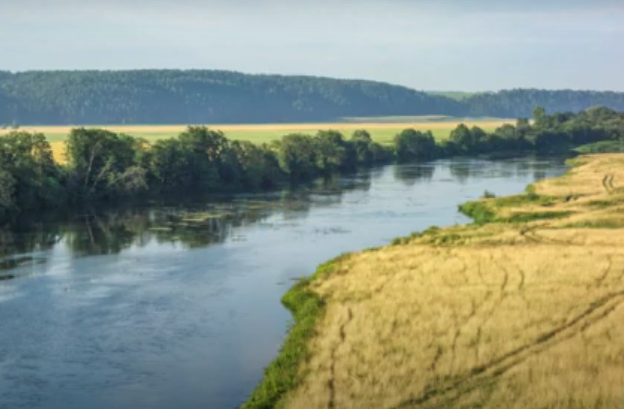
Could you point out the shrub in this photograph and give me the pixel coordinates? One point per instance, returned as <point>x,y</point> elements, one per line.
<point>488,195</point>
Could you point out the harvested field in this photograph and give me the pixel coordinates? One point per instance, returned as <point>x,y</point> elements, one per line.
<point>58,151</point>
<point>508,315</point>
<point>382,132</point>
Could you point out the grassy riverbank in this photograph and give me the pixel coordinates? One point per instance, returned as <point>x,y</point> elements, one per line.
<point>522,309</point>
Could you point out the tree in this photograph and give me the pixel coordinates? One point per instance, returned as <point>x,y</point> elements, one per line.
<point>29,175</point>
<point>361,142</point>
<point>478,135</point>
<point>380,153</point>
<point>103,164</point>
<point>463,139</point>
<point>259,166</point>
<point>414,145</point>
<point>545,140</point>
<point>539,116</point>
<point>297,156</point>
<point>361,135</point>
<point>508,137</point>
<point>332,152</point>
<point>7,188</point>
<point>183,166</point>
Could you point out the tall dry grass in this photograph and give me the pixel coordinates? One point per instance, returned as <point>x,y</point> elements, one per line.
<point>505,315</point>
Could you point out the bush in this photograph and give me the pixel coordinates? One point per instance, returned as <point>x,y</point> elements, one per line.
<point>478,211</point>
<point>488,195</point>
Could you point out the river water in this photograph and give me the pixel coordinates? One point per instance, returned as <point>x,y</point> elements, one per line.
<point>140,309</point>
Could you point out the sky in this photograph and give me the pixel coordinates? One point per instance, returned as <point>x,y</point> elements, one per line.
<point>467,45</point>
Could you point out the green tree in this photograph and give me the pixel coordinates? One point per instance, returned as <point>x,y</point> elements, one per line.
<point>297,156</point>
<point>333,153</point>
<point>463,139</point>
<point>30,178</point>
<point>259,166</point>
<point>412,145</point>
<point>362,146</point>
<point>539,116</point>
<point>184,165</point>
<point>103,164</point>
<point>216,147</point>
<point>7,187</point>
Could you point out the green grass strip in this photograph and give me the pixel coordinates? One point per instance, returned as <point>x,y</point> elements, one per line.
<point>284,373</point>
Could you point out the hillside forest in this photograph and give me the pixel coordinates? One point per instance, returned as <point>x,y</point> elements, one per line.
<point>221,97</point>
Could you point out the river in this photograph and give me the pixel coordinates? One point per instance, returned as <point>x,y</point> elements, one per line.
<point>136,309</point>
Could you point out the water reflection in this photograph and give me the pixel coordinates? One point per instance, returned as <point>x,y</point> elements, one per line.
<point>409,175</point>
<point>201,225</point>
<point>178,305</point>
<point>198,225</point>
<point>461,171</point>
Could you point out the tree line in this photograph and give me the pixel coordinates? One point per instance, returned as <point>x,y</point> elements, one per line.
<point>104,167</point>
<point>206,96</point>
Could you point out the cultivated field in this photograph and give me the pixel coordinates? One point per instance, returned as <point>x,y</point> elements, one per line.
<point>526,311</point>
<point>382,131</point>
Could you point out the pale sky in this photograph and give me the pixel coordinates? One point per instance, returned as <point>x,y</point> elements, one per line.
<point>432,45</point>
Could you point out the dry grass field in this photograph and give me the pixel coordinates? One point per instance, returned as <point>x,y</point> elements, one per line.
<point>58,151</point>
<point>382,132</point>
<point>509,314</point>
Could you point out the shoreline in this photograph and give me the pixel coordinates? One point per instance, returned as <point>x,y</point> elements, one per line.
<point>497,222</point>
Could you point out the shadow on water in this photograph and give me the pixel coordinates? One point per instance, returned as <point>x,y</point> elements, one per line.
<point>409,175</point>
<point>192,225</point>
<point>202,224</point>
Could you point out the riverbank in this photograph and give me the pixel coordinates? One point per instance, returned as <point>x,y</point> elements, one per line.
<point>520,309</point>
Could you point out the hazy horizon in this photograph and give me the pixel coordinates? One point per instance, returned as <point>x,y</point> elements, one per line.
<point>445,46</point>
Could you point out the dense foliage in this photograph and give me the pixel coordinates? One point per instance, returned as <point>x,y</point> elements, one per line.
<point>204,96</point>
<point>519,103</point>
<point>169,96</point>
<point>104,166</point>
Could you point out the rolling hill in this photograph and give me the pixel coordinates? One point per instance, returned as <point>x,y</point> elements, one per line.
<point>207,96</point>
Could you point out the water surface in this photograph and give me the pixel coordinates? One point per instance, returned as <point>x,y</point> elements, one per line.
<point>140,309</point>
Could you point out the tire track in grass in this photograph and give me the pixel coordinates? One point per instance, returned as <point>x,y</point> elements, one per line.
<point>331,384</point>
<point>444,395</point>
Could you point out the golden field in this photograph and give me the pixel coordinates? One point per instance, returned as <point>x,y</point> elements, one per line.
<point>261,128</point>
<point>509,315</point>
<point>380,131</point>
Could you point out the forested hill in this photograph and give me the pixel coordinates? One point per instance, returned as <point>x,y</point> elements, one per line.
<point>203,96</point>
<point>156,96</point>
<point>519,103</point>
